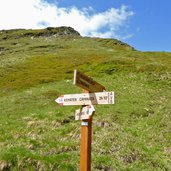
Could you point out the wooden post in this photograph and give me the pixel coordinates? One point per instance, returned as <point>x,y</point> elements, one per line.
<point>85,149</point>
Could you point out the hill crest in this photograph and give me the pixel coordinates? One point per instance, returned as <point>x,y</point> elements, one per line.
<point>49,31</point>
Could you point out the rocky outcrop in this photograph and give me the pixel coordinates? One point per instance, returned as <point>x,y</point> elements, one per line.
<point>49,31</point>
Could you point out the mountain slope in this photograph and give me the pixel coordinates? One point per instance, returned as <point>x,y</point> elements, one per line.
<point>36,66</point>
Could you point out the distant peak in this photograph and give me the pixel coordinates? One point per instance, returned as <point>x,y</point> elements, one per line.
<point>49,31</point>
<point>63,30</point>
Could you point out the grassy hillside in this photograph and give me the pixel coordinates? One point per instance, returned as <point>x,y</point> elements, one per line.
<point>36,66</point>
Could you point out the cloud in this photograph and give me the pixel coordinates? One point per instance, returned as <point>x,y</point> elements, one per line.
<point>40,14</point>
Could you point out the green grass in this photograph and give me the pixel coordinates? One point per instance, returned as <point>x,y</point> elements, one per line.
<point>37,134</point>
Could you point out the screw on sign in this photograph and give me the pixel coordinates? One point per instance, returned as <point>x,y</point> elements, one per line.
<point>94,94</point>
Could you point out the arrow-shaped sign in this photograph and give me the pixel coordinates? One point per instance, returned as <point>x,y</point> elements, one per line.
<point>86,99</point>
<point>84,112</point>
<point>87,83</point>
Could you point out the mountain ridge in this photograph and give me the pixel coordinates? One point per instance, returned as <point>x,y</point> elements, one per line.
<point>49,31</point>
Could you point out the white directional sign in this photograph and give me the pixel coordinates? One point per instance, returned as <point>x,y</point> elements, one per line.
<point>84,112</point>
<point>86,99</point>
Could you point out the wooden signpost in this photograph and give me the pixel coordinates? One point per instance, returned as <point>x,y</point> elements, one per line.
<point>93,94</point>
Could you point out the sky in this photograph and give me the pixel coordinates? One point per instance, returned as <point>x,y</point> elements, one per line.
<point>143,24</point>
